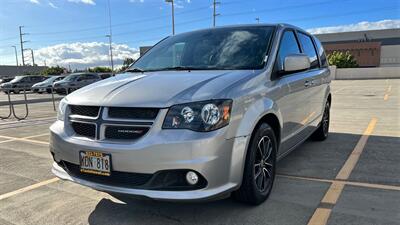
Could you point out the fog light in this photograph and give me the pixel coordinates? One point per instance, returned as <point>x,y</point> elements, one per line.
<point>192,178</point>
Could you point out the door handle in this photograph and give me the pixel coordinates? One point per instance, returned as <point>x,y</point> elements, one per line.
<point>308,83</point>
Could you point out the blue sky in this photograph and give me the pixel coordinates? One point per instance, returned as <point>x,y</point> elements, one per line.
<point>143,22</point>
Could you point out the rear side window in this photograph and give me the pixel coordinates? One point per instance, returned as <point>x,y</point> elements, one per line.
<point>321,53</point>
<point>309,49</point>
<point>288,46</point>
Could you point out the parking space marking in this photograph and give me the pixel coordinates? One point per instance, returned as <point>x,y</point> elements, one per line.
<point>321,215</point>
<point>350,163</point>
<point>344,182</point>
<point>25,139</point>
<point>28,188</point>
<point>388,90</point>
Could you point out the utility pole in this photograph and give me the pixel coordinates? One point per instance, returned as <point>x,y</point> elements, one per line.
<point>110,39</point>
<point>173,15</point>
<point>22,44</point>
<point>258,19</point>
<point>215,3</point>
<point>111,54</point>
<point>16,54</point>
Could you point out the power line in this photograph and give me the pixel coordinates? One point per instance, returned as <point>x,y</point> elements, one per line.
<point>149,19</point>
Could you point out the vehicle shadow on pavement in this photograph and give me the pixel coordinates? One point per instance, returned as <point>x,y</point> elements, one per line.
<point>292,201</point>
<point>154,212</point>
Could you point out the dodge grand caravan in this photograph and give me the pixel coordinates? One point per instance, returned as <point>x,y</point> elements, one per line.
<point>201,115</point>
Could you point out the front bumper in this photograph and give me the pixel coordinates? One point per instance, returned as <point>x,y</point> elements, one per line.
<point>219,160</point>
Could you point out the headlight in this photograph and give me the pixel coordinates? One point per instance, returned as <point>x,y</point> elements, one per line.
<point>61,109</point>
<point>199,116</point>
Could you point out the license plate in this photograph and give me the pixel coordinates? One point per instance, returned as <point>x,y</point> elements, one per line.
<point>95,163</point>
<point>42,89</point>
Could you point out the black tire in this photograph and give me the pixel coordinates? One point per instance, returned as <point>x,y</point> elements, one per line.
<point>322,131</point>
<point>48,90</point>
<point>16,91</point>
<point>259,170</point>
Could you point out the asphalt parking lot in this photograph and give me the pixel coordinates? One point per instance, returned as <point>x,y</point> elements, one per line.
<point>351,178</point>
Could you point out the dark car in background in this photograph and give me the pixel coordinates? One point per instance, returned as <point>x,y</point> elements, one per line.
<point>5,80</point>
<point>46,85</point>
<point>21,83</point>
<point>75,81</point>
<point>105,75</point>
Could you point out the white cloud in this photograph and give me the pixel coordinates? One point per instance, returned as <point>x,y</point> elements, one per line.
<point>84,54</point>
<point>34,1</point>
<point>89,2</point>
<point>52,5</point>
<point>365,25</point>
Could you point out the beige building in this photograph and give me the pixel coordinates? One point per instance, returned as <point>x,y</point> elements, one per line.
<point>371,48</point>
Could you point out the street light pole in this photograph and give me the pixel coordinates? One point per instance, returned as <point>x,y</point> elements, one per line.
<point>16,54</point>
<point>33,58</point>
<point>173,15</point>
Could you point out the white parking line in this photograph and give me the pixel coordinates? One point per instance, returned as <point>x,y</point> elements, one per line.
<point>25,139</point>
<point>28,188</point>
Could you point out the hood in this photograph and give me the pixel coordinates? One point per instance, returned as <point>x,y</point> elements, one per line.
<point>43,83</point>
<point>6,84</point>
<point>61,82</point>
<point>158,89</point>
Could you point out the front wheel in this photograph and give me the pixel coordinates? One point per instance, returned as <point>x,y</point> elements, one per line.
<point>260,165</point>
<point>322,131</point>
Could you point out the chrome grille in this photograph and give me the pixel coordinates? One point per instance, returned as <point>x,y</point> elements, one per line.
<point>91,111</point>
<point>111,123</point>
<point>84,129</point>
<point>132,113</point>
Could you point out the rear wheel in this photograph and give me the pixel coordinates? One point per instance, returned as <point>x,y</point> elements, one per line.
<point>322,131</point>
<point>259,171</point>
<point>16,91</point>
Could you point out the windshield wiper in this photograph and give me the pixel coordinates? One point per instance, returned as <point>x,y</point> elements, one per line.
<point>180,68</point>
<point>134,70</point>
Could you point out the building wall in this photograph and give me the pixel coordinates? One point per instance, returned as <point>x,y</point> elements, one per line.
<point>390,55</point>
<point>367,54</point>
<point>12,71</point>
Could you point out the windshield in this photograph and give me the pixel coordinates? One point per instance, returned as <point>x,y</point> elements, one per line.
<point>16,79</point>
<point>71,77</point>
<point>220,49</point>
<point>50,79</point>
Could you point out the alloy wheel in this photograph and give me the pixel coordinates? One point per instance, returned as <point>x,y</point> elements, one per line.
<point>264,164</point>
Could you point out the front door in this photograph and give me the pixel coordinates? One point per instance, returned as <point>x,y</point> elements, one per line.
<point>293,102</point>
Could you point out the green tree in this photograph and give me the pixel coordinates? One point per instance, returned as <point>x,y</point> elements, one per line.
<point>342,60</point>
<point>54,70</point>
<point>127,63</point>
<point>100,69</point>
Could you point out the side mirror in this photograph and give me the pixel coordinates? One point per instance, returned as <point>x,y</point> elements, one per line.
<point>296,62</point>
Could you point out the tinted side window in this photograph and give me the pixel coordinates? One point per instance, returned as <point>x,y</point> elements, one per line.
<point>288,46</point>
<point>91,76</point>
<point>321,53</point>
<point>309,49</point>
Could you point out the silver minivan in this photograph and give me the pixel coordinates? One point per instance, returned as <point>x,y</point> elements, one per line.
<point>201,115</point>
